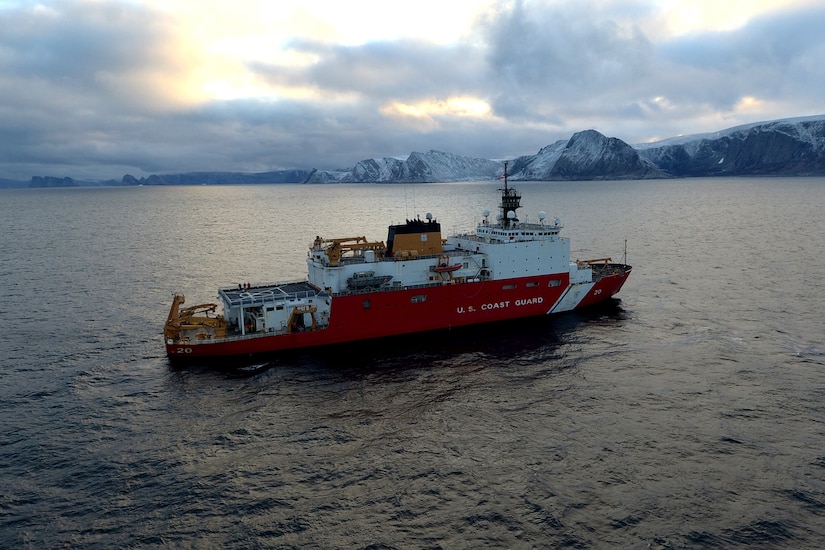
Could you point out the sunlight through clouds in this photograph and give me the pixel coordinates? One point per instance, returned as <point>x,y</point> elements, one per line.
<point>223,39</point>
<point>456,106</point>
<point>219,41</point>
<point>185,84</point>
<point>748,104</point>
<point>677,17</point>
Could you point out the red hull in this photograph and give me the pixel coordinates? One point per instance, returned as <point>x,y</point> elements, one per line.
<point>382,314</point>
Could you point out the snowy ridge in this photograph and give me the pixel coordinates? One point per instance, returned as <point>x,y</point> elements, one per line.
<point>588,155</point>
<point>681,140</point>
<point>785,147</point>
<point>430,167</point>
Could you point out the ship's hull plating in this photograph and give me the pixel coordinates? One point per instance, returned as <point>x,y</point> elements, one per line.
<point>364,316</point>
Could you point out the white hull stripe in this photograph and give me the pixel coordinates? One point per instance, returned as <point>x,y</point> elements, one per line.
<point>572,297</point>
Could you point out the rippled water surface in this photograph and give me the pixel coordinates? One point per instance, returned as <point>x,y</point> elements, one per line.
<point>690,413</point>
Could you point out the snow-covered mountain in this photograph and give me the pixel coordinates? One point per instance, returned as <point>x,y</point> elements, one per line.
<point>433,166</point>
<point>788,147</point>
<point>535,167</point>
<point>588,155</point>
<point>585,156</point>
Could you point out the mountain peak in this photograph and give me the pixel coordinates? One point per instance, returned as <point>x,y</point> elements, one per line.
<point>587,155</point>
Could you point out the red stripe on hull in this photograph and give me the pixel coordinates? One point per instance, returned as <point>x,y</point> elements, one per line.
<point>382,314</point>
<point>432,308</point>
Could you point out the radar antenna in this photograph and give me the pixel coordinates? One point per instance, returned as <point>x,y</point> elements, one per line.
<point>510,202</point>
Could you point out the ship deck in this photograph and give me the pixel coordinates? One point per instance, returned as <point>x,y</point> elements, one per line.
<point>452,253</point>
<point>260,294</point>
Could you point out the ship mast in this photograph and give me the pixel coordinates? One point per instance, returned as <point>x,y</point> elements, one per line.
<point>510,201</point>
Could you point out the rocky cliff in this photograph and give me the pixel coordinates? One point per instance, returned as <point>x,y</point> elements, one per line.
<point>433,166</point>
<point>588,155</point>
<point>790,147</point>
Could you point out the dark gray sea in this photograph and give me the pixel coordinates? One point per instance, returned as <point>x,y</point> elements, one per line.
<point>688,413</point>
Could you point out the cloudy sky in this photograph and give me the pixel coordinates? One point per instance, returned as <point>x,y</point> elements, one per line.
<point>100,88</point>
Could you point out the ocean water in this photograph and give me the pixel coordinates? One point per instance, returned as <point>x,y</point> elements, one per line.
<point>687,413</point>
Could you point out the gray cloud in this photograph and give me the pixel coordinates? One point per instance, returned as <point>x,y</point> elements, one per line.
<point>67,83</point>
<point>772,55</point>
<point>547,58</point>
<point>406,70</point>
<point>83,89</point>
